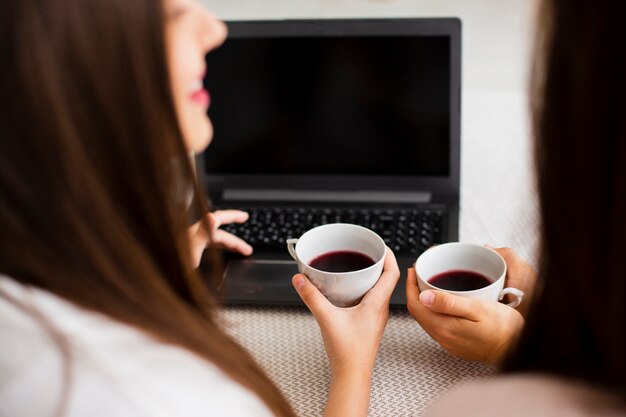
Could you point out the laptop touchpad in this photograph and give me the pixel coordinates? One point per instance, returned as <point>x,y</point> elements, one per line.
<point>243,278</point>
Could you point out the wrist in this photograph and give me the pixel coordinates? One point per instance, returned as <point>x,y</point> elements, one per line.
<point>349,392</point>
<point>352,371</point>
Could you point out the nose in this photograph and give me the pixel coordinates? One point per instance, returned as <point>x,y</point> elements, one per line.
<point>213,31</point>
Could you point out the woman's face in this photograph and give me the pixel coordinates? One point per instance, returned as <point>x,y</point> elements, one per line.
<point>191,31</point>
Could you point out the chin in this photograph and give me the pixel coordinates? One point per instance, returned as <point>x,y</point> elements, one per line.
<point>203,136</point>
<point>199,136</point>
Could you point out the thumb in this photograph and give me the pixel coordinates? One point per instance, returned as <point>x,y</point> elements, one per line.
<point>312,297</point>
<point>452,305</point>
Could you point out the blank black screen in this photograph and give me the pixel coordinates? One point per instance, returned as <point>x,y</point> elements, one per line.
<point>364,105</point>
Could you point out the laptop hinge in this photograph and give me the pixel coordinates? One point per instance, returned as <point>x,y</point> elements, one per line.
<point>326,196</point>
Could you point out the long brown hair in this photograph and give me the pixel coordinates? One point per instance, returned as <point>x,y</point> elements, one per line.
<point>577,325</point>
<point>91,158</point>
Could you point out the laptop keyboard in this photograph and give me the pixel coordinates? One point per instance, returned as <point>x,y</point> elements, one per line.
<point>410,231</point>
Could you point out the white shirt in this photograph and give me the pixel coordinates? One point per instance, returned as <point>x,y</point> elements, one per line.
<point>116,370</point>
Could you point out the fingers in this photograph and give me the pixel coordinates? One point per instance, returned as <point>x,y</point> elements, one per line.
<point>520,274</point>
<point>220,217</point>
<point>381,292</point>
<point>412,290</point>
<point>452,305</point>
<point>227,240</point>
<point>312,297</point>
<point>231,242</point>
<point>426,317</point>
<point>509,255</point>
<point>421,303</point>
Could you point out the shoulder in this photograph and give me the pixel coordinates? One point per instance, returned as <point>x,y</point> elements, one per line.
<point>102,366</point>
<point>523,395</point>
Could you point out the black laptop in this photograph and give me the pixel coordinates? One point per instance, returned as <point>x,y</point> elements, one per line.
<point>324,121</point>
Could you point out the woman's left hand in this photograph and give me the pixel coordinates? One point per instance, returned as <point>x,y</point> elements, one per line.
<point>478,330</point>
<point>199,238</point>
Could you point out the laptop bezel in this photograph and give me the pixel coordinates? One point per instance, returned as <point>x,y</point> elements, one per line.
<point>439,185</point>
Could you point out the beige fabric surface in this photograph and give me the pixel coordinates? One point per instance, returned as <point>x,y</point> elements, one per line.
<point>498,206</point>
<point>410,371</point>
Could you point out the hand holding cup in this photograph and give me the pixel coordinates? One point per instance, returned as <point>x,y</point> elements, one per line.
<point>467,321</point>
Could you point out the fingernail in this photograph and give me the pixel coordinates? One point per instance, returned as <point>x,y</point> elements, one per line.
<point>299,282</point>
<point>427,298</point>
<point>488,246</point>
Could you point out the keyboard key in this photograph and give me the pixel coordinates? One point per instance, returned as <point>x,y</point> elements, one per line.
<point>405,231</point>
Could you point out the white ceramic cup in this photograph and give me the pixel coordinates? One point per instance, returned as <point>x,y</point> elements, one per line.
<point>343,289</point>
<point>468,257</point>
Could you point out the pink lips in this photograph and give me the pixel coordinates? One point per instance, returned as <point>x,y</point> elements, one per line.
<point>202,98</point>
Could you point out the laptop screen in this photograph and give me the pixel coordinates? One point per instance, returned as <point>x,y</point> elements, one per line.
<point>341,102</point>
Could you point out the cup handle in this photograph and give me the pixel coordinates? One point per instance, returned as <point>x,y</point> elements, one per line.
<point>291,247</point>
<point>519,295</point>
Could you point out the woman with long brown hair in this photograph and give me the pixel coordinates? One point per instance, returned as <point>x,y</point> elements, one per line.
<point>564,352</point>
<point>102,311</point>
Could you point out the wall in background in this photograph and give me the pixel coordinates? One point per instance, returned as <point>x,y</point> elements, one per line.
<point>497,34</point>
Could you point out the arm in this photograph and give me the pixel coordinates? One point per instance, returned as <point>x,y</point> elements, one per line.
<point>477,330</point>
<point>351,339</point>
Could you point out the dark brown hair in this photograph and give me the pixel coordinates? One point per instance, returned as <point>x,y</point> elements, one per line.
<point>91,158</point>
<point>577,325</point>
